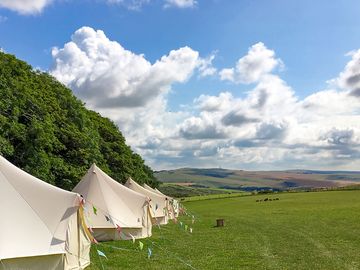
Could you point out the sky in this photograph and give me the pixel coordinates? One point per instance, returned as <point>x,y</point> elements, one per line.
<point>240,84</point>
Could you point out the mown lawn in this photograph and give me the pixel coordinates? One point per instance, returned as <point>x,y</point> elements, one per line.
<point>299,231</point>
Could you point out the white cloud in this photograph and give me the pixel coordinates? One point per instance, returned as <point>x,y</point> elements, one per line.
<point>104,74</point>
<point>25,6</point>
<point>350,78</point>
<point>268,128</point>
<point>214,103</point>
<point>258,62</point>
<point>125,86</point>
<point>206,67</point>
<point>180,3</point>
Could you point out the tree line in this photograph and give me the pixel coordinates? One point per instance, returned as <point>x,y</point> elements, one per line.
<point>48,132</point>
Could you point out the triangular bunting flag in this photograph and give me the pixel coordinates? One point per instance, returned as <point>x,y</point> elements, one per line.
<point>141,245</point>
<point>95,210</point>
<point>118,228</point>
<point>132,237</point>
<point>149,253</point>
<point>186,227</point>
<point>101,253</point>
<point>191,230</point>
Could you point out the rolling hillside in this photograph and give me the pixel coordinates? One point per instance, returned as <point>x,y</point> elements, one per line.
<point>250,180</point>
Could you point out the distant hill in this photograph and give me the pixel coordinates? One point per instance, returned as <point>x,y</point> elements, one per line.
<point>48,132</point>
<point>250,180</point>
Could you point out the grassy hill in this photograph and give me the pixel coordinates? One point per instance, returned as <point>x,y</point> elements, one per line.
<point>48,132</point>
<point>300,231</point>
<point>249,180</point>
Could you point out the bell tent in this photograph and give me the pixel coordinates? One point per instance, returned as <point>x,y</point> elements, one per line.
<point>114,212</point>
<point>158,203</point>
<point>173,205</point>
<point>41,226</point>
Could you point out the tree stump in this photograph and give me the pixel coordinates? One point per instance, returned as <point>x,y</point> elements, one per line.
<point>220,222</point>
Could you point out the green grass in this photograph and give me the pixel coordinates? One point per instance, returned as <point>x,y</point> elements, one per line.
<point>311,230</point>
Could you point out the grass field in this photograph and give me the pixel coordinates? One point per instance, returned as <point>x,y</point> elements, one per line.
<point>313,230</point>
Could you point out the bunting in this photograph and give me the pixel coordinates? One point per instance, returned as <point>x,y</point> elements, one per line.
<point>141,245</point>
<point>149,253</point>
<point>118,228</point>
<point>94,210</point>
<point>101,253</point>
<point>132,237</point>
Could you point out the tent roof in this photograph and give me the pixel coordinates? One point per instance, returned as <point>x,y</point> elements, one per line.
<point>155,190</point>
<point>156,199</point>
<point>34,214</point>
<point>124,207</point>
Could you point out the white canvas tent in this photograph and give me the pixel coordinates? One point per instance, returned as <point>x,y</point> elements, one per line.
<point>158,203</point>
<point>41,226</point>
<point>173,205</point>
<point>120,212</point>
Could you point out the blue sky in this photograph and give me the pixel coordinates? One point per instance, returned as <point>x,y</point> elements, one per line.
<point>301,46</point>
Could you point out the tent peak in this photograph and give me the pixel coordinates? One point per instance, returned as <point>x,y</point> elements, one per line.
<point>93,168</point>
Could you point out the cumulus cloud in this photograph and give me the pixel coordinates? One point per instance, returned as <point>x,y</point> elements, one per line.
<point>214,103</point>
<point>200,128</point>
<point>105,74</point>
<point>350,78</point>
<point>258,62</point>
<point>180,3</point>
<point>234,118</point>
<point>25,6</point>
<point>206,67</point>
<point>267,127</point>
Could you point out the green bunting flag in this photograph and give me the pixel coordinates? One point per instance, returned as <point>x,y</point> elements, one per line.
<point>141,245</point>
<point>95,210</point>
<point>132,238</point>
<point>101,253</point>
<point>186,227</point>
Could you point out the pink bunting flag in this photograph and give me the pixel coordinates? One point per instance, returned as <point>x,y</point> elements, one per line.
<point>118,228</point>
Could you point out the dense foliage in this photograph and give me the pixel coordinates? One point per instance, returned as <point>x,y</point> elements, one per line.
<point>49,133</point>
